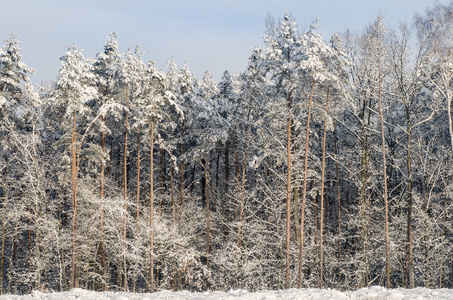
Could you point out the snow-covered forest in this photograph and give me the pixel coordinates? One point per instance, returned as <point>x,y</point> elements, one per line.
<point>327,162</point>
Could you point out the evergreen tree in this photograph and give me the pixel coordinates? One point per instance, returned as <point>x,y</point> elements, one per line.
<point>73,89</point>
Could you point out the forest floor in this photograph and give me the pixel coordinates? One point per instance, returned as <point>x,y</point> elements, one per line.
<point>372,293</point>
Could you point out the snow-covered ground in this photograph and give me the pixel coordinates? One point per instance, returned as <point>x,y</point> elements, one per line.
<point>372,293</point>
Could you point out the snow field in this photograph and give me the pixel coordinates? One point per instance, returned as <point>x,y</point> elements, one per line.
<point>372,293</point>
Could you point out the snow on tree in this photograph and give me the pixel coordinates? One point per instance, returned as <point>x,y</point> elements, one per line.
<point>329,162</point>
<point>73,89</point>
<point>13,71</point>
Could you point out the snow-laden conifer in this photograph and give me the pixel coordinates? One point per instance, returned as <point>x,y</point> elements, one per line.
<point>73,89</point>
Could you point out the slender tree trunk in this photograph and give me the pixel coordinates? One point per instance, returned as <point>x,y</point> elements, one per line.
<point>364,200</point>
<point>137,212</point>
<point>321,226</point>
<point>295,196</point>
<point>172,195</point>
<point>450,123</point>
<point>387,239</point>
<point>108,169</point>
<point>29,240</point>
<point>237,171</point>
<point>315,214</point>
<point>38,211</point>
<point>138,178</point>
<point>181,173</point>
<point>2,207</point>
<point>227,186</point>
<point>13,259</point>
<point>203,189</point>
<point>74,264</point>
<point>296,212</point>
<point>242,194</point>
<point>103,266</point>
<point>426,245</point>
<point>241,209</point>
<point>442,245</point>
<point>102,250</point>
<point>304,191</point>
<point>13,262</point>
<point>337,173</point>
<point>162,179</point>
<point>288,193</point>
<point>151,207</point>
<point>125,162</point>
<point>409,246</point>
<point>217,174</point>
<point>208,222</point>
<point>125,192</point>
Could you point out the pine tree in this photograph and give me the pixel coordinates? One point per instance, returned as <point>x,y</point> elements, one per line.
<point>13,71</point>
<point>106,68</point>
<point>283,56</point>
<point>185,84</point>
<point>156,103</point>
<point>74,89</point>
<point>15,110</point>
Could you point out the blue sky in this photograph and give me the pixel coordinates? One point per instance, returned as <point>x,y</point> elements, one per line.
<point>214,35</point>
